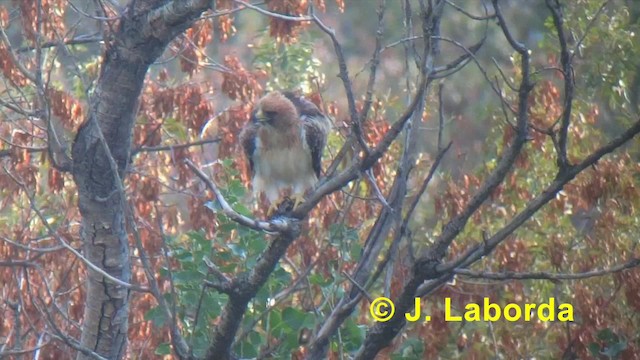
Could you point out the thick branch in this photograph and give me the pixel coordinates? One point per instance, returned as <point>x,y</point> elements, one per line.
<point>425,267</point>
<point>243,289</point>
<point>453,228</point>
<point>549,193</point>
<point>567,72</point>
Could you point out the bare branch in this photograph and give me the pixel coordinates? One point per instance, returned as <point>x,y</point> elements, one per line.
<point>375,61</point>
<point>567,70</point>
<point>386,218</point>
<point>469,15</point>
<point>272,14</point>
<point>17,109</point>
<point>8,152</point>
<point>453,228</point>
<point>79,40</point>
<point>346,80</point>
<point>426,266</point>
<point>587,29</point>
<point>470,52</point>
<point>404,227</point>
<point>17,263</point>
<point>273,226</point>
<point>75,252</point>
<point>549,193</point>
<point>361,288</point>
<point>93,17</point>
<point>376,190</point>
<point>9,353</point>
<point>546,275</point>
<point>179,344</point>
<point>173,147</point>
<point>29,248</point>
<point>440,117</point>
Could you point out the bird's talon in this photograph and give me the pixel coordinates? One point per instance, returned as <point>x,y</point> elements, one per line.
<point>297,200</point>
<point>273,208</point>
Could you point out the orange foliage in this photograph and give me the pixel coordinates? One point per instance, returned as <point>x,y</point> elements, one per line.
<point>52,16</point>
<point>9,70</point>
<point>192,45</point>
<point>65,107</point>
<point>239,83</point>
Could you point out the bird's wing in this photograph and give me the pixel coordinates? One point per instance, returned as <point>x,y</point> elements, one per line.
<point>316,126</point>
<point>316,139</point>
<point>305,108</point>
<point>248,141</point>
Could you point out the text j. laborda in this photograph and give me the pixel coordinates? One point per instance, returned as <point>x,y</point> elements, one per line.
<point>382,309</point>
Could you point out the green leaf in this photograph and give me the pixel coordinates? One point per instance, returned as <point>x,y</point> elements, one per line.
<point>200,340</point>
<point>352,334</point>
<point>607,335</point>
<point>275,323</point>
<point>294,318</point>
<point>318,279</point>
<point>594,349</point>
<point>412,348</point>
<point>237,189</point>
<point>163,349</point>
<point>255,339</point>
<point>156,316</point>
<point>615,349</point>
<point>187,276</point>
<point>175,128</point>
<point>281,275</point>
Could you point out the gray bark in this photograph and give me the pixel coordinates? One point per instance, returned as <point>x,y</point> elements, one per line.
<point>139,39</point>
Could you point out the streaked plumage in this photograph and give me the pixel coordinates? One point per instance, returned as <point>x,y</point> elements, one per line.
<point>283,142</point>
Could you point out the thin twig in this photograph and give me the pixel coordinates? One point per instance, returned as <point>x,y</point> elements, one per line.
<point>468,14</point>
<point>376,190</point>
<point>75,252</point>
<point>375,61</point>
<point>173,147</point>
<point>358,286</point>
<point>80,40</point>
<point>346,81</point>
<point>272,14</point>
<point>510,275</point>
<point>576,49</point>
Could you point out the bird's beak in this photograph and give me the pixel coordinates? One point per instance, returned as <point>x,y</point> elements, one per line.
<point>260,116</point>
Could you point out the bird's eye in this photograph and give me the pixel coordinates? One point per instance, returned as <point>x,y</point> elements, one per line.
<point>269,114</point>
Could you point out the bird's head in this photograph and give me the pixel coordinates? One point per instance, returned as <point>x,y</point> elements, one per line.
<point>276,110</point>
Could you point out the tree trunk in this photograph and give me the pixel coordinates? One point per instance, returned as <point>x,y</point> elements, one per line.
<point>103,219</point>
<point>139,40</point>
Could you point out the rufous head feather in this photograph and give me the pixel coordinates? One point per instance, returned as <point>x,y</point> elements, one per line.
<point>276,110</point>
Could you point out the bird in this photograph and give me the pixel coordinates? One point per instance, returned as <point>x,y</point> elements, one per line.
<point>283,142</point>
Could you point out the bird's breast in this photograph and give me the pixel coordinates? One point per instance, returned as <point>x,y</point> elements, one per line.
<point>285,164</point>
<point>283,157</point>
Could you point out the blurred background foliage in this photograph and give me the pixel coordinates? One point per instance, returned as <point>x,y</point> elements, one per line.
<point>204,87</point>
